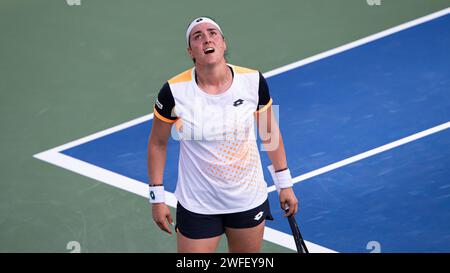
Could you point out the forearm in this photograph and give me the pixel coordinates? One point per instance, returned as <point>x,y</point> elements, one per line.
<point>272,140</point>
<point>280,173</point>
<point>156,162</point>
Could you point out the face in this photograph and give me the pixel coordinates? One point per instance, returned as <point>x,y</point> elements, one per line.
<point>207,45</point>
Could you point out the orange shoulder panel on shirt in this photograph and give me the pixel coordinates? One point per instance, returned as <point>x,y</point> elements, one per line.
<point>263,109</point>
<point>185,76</point>
<point>159,116</point>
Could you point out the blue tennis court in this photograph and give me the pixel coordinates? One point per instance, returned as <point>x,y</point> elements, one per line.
<point>336,108</point>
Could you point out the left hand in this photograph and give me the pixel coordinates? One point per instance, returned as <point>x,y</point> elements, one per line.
<point>288,199</point>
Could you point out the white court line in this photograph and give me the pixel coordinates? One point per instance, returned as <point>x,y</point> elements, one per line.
<point>134,186</point>
<point>357,43</point>
<point>367,154</point>
<point>102,133</point>
<point>276,71</point>
<point>54,156</point>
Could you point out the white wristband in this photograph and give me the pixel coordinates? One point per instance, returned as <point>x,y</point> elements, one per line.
<point>156,194</point>
<point>281,179</point>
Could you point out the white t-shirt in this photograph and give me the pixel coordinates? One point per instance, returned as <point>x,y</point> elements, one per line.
<point>219,167</point>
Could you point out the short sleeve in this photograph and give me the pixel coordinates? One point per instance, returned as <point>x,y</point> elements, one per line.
<point>264,99</point>
<point>164,105</point>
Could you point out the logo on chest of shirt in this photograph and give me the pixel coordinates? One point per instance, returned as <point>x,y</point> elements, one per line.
<point>238,102</point>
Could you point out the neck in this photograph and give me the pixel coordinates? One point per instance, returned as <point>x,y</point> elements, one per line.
<point>215,78</point>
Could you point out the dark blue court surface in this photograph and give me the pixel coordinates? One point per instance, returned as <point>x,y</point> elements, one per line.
<point>336,108</point>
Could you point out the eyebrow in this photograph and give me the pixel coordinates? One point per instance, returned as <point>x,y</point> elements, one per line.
<point>208,29</point>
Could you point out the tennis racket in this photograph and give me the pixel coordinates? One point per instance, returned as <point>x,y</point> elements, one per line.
<point>299,242</point>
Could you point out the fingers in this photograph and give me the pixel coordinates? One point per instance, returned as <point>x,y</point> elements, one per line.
<point>164,226</point>
<point>162,217</point>
<point>288,202</point>
<point>284,206</point>
<point>293,208</point>
<point>290,206</point>
<point>169,218</point>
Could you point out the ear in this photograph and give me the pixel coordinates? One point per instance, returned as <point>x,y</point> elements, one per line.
<point>189,51</point>
<point>225,42</point>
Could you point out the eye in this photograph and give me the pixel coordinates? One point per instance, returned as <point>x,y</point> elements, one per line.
<point>197,36</point>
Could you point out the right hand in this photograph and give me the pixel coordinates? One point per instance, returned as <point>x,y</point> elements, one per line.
<point>161,212</point>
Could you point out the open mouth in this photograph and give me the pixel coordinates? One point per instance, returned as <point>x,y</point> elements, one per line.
<point>209,50</point>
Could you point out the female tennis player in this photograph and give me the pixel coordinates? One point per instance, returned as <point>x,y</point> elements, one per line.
<point>220,187</point>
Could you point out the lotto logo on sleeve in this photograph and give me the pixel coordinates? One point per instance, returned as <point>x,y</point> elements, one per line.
<point>160,106</point>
